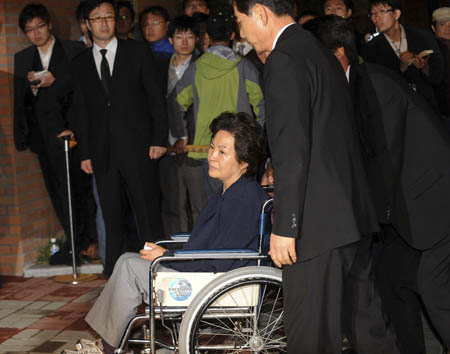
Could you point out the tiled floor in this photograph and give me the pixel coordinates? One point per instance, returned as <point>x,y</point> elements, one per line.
<point>40,315</point>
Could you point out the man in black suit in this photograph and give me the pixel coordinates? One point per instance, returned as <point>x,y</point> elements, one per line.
<point>40,105</point>
<point>322,201</point>
<point>398,49</point>
<point>410,184</point>
<point>121,123</point>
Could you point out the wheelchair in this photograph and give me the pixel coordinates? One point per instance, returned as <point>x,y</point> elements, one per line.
<point>240,311</point>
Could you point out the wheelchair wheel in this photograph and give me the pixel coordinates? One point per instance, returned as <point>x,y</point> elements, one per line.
<point>239,312</point>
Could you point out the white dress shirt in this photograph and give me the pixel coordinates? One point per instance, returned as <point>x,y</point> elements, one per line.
<point>111,50</point>
<point>45,57</point>
<point>280,33</point>
<point>347,73</point>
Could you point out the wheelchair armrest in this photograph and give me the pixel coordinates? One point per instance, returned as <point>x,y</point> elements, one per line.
<point>219,253</point>
<point>180,237</point>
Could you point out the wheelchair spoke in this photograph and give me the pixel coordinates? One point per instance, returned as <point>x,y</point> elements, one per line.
<point>244,316</point>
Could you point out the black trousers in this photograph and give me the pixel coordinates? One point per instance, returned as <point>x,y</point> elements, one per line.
<point>140,183</point>
<point>330,296</point>
<point>53,167</point>
<point>433,280</point>
<point>396,278</point>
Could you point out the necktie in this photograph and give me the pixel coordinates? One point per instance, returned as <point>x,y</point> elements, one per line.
<point>241,48</point>
<point>104,69</point>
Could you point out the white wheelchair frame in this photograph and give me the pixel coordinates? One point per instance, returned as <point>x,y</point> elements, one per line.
<point>254,283</point>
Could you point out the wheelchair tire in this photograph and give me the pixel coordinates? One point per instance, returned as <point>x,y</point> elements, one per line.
<point>249,329</point>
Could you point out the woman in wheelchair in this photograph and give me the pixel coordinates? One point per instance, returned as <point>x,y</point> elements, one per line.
<point>230,220</point>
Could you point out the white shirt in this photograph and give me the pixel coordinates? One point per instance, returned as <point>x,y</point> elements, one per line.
<point>279,34</point>
<point>347,73</point>
<point>45,57</point>
<point>110,56</point>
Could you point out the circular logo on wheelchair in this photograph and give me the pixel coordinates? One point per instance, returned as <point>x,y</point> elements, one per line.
<point>180,289</point>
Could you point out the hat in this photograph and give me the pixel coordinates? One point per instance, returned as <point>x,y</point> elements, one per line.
<point>220,25</point>
<point>441,15</point>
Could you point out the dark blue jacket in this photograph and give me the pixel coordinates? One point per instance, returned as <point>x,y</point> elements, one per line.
<point>229,220</point>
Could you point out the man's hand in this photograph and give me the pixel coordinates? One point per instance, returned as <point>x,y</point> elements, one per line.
<point>156,152</point>
<point>47,80</point>
<point>86,166</point>
<point>180,146</point>
<point>268,176</point>
<point>282,250</point>
<point>406,59</point>
<point>66,133</point>
<point>153,253</point>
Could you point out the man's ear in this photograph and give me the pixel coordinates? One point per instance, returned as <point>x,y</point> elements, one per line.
<point>349,13</point>
<point>433,28</point>
<point>170,40</point>
<point>88,25</point>
<point>259,13</point>
<point>397,14</point>
<point>339,53</point>
<point>50,26</point>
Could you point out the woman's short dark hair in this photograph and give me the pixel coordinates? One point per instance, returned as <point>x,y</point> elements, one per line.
<point>278,7</point>
<point>249,139</point>
<point>31,11</point>
<point>183,23</point>
<point>128,5</point>
<point>91,5</point>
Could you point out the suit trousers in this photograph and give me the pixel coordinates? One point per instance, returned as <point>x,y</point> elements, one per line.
<point>313,300</point>
<point>364,321</point>
<point>174,200</point>
<point>140,184</point>
<point>330,296</point>
<point>191,184</point>
<point>434,286</point>
<point>53,167</point>
<point>396,278</point>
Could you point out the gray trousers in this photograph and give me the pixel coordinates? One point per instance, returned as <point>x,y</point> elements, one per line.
<point>120,298</point>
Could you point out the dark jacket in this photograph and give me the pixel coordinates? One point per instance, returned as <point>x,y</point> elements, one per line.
<point>229,220</point>
<point>321,193</point>
<point>39,119</point>
<point>379,51</point>
<point>407,155</point>
<point>131,118</point>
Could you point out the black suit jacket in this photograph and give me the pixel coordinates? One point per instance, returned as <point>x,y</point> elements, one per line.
<point>39,119</point>
<point>407,154</point>
<point>379,51</point>
<point>128,120</point>
<point>321,193</point>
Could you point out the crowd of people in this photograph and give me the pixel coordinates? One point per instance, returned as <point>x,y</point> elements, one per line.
<point>172,132</point>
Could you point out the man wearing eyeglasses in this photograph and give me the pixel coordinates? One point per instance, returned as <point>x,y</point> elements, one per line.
<point>154,22</point>
<point>120,120</point>
<point>401,49</point>
<point>41,96</point>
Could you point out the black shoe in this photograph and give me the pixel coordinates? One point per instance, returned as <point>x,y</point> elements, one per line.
<point>63,257</point>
